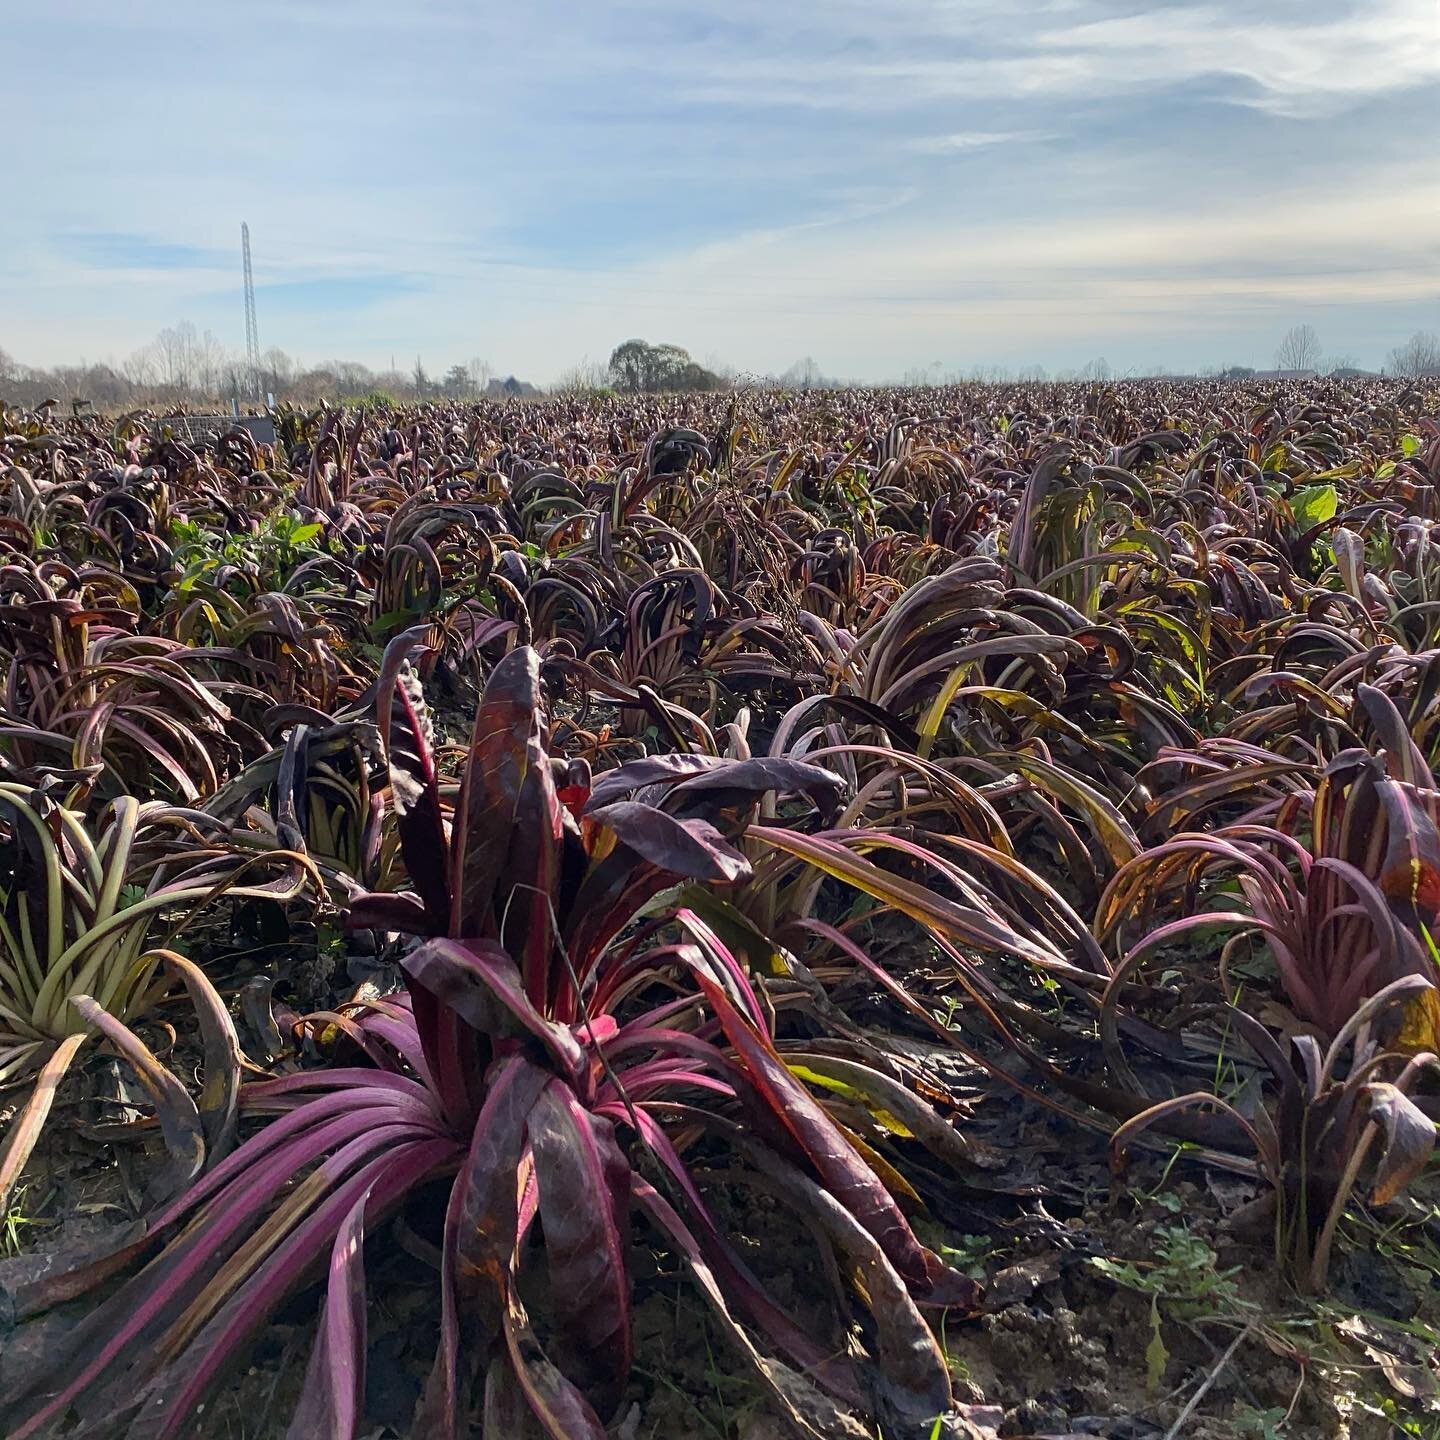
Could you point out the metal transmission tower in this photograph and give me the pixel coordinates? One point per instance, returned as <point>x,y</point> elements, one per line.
<point>252,334</point>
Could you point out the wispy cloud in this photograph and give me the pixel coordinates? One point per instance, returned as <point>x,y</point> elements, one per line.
<point>328,293</point>
<point>963,140</point>
<point>1309,60</point>
<point>113,250</point>
<point>1312,57</point>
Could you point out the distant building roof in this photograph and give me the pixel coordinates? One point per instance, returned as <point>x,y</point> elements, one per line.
<point>1286,374</point>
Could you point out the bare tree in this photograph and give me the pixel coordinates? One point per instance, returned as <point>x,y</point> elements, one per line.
<point>209,365</point>
<point>1419,355</point>
<point>139,369</point>
<point>717,366</point>
<point>481,374</point>
<point>352,377</point>
<point>802,375</point>
<point>580,379</point>
<point>175,357</point>
<point>277,370</point>
<point>106,388</point>
<point>1299,350</point>
<point>1336,364</point>
<point>236,381</point>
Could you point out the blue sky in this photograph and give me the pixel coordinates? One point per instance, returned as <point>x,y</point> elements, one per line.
<point>880,184</point>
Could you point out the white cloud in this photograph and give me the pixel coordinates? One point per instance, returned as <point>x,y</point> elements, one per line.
<point>962,140</point>
<point>1318,63</point>
<point>1321,57</point>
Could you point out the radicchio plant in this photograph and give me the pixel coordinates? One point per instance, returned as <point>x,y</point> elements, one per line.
<point>549,1061</point>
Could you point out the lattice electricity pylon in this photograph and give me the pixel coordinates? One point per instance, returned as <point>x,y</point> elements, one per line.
<point>252,333</point>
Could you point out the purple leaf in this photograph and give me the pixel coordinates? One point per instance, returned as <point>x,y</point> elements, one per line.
<point>834,1372</point>
<point>657,770</point>
<point>504,745</point>
<point>692,849</point>
<point>407,737</point>
<point>478,981</point>
<point>742,781</point>
<point>560,1408</point>
<point>852,1182</point>
<point>1409,1140</point>
<point>168,1403</point>
<point>400,911</point>
<point>333,1398</point>
<point>530,880</point>
<point>488,1205</point>
<point>584,1182</point>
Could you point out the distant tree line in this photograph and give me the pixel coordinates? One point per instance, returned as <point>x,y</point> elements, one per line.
<point>183,367</point>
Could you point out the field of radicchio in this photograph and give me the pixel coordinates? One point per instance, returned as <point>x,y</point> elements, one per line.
<point>903,913</point>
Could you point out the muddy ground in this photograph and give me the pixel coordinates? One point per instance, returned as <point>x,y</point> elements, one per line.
<point>1113,1310</point>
